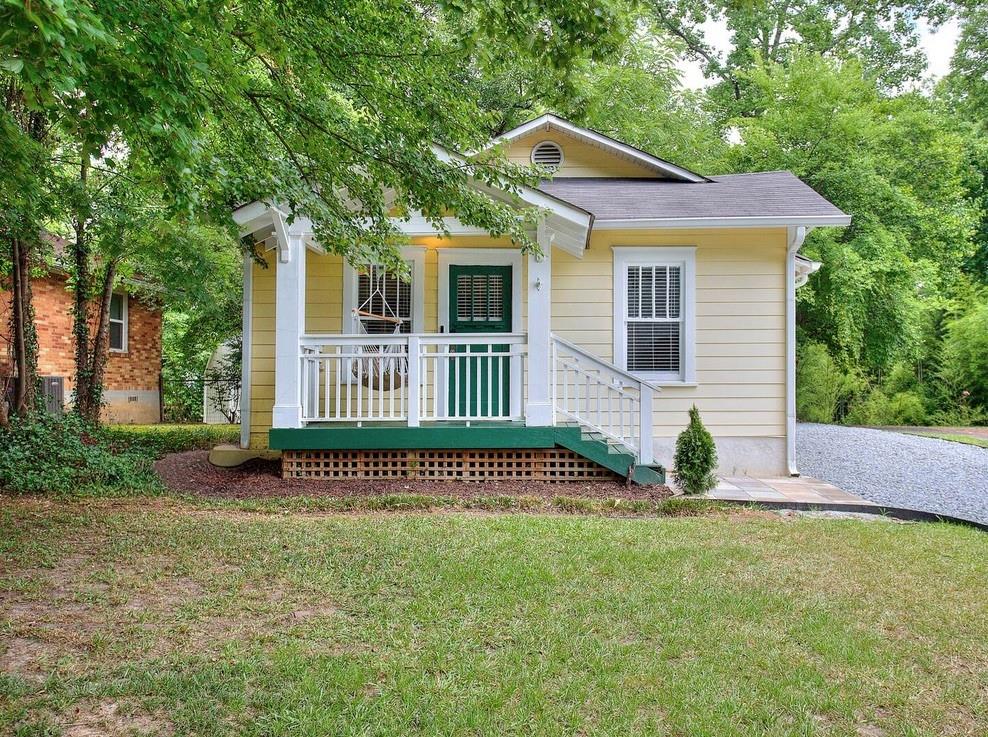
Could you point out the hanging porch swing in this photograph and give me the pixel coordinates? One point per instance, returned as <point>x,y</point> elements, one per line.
<point>381,367</point>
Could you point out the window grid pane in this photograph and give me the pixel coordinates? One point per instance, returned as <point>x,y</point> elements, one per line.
<point>654,318</point>
<point>381,293</point>
<point>116,307</point>
<point>116,335</point>
<point>653,346</point>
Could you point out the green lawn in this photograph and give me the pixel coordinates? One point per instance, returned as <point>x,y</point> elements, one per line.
<point>135,616</point>
<point>954,437</point>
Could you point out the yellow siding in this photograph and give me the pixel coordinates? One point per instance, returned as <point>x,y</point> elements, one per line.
<point>579,159</point>
<point>262,351</point>
<point>740,337</point>
<point>740,314</point>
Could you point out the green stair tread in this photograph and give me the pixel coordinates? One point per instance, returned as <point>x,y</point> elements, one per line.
<point>607,456</point>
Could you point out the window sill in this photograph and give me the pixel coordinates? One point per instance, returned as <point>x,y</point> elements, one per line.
<point>663,382</point>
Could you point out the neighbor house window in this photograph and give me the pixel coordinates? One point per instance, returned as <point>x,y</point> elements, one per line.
<point>374,299</point>
<point>118,322</point>
<point>654,313</point>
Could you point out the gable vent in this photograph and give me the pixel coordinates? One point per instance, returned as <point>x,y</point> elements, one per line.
<point>547,154</point>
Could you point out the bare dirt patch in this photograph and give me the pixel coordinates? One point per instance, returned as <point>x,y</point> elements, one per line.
<point>27,658</point>
<point>191,472</point>
<point>110,718</point>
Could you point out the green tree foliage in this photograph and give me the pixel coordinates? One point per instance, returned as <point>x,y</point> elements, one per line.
<point>965,361</point>
<point>695,458</point>
<point>913,223</point>
<point>884,36</point>
<point>637,98</point>
<point>819,384</point>
<point>155,119</point>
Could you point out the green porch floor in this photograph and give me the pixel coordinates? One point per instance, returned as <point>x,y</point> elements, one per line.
<point>386,436</point>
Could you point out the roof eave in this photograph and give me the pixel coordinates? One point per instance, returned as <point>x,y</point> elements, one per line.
<point>769,221</point>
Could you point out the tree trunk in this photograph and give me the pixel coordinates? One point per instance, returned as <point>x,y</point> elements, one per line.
<point>100,350</point>
<point>22,330</point>
<point>80,308</point>
<point>24,337</point>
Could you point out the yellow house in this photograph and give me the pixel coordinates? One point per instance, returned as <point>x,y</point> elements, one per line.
<point>657,289</point>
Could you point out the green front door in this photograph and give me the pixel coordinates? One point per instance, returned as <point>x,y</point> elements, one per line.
<point>479,302</point>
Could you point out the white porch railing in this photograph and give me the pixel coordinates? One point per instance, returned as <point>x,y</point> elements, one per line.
<point>602,398</point>
<point>411,379</point>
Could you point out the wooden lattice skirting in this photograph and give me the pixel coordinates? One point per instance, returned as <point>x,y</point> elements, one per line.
<point>542,464</point>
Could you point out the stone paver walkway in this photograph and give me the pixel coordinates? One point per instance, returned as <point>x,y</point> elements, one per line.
<point>804,489</point>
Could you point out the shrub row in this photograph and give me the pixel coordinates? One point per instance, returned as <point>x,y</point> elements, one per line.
<point>63,454</point>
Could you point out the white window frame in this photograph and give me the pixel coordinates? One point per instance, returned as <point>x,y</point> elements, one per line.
<point>414,255</point>
<point>124,322</point>
<point>683,257</point>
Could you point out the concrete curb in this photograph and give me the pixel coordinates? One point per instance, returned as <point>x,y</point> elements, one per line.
<point>879,510</point>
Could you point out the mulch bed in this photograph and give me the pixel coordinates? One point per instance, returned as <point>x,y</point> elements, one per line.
<point>192,473</point>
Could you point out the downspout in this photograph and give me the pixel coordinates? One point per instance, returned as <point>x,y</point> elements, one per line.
<point>797,234</point>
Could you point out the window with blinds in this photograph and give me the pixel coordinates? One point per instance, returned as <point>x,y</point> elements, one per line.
<point>382,294</point>
<point>654,318</point>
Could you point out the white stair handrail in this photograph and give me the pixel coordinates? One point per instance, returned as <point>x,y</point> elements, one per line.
<point>620,386</point>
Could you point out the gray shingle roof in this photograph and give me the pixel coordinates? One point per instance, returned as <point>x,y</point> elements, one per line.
<point>764,194</point>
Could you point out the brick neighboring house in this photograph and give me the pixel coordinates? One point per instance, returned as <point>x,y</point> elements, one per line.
<point>132,387</point>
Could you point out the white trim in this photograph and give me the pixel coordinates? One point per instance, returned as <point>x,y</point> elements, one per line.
<point>805,267</point>
<point>415,254</point>
<point>684,256</point>
<point>125,322</point>
<point>722,222</point>
<point>796,236</point>
<point>480,257</point>
<point>484,257</point>
<point>539,410</point>
<point>289,316</point>
<point>245,343</point>
<point>549,122</point>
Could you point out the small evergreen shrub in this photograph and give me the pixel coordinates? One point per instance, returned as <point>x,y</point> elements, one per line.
<point>44,453</point>
<point>696,457</point>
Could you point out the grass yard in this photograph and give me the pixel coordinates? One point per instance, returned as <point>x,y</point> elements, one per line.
<point>166,617</point>
<point>954,437</point>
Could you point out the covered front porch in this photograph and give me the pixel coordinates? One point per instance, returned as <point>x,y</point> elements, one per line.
<point>490,368</point>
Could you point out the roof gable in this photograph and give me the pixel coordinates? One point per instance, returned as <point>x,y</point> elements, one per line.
<point>587,153</point>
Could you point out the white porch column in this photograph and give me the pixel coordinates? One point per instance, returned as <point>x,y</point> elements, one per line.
<point>538,409</point>
<point>289,326</point>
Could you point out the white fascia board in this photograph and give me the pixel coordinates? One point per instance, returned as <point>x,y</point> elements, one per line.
<point>548,121</point>
<point>255,216</point>
<point>250,211</point>
<point>528,195</point>
<point>727,222</point>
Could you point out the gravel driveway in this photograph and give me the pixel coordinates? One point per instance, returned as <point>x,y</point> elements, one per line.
<point>896,469</point>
